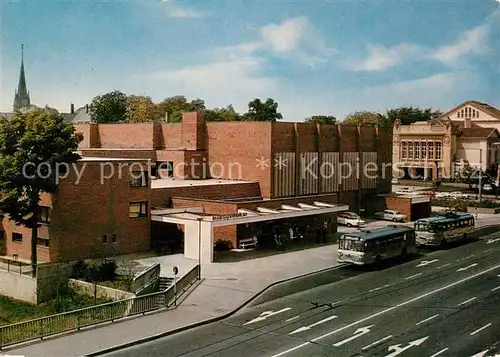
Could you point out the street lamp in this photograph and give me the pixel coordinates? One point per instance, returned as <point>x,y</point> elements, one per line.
<point>359,185</point>
<point>199,219</point>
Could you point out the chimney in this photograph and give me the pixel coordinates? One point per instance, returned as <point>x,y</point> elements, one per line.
<point>72,108</point>
<point>467,123</point>
<point>86,108</point>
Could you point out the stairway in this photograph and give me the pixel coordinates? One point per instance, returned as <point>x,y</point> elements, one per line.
<point>164,283</point>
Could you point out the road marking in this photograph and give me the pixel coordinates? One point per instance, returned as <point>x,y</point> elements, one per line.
<point>427,319</point>
<point>413,276</point>
<point>358,333</point>
<point>376,343</point>
<point>487,250</point>
<point>495,289</point>
<point>404,303</point>
<point>266,314</point>
<point>439,352</point>
<point>444,265</point>
<point>293,318</point>
<point>427,262</point>
<point>466,301</point>
<point>489,241</point>
<point>467,267</point>
<point>481,354</point>
<point>480,329</point>
<point>398,349</point>
<point>305,328</point>
<point>380,287</point>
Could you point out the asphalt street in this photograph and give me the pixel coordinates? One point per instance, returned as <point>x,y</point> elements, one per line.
<point>445,303</point>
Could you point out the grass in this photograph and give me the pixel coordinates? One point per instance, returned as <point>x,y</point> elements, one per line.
<point>120,282</point>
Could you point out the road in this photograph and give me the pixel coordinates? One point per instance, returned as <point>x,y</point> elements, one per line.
<point>445,303</point>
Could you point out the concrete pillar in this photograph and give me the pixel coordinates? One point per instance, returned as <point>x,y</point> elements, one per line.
<point>192,241</point>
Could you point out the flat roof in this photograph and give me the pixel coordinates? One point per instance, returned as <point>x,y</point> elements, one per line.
<point>116,149</point>
<point>379,232</point>
<point>167,183</point>
<point>115,159</point>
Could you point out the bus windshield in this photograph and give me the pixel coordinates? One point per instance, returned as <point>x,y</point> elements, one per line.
<point>348,243</point>
<point>424,227</point>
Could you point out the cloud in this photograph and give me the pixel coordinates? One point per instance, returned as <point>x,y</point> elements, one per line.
<point>175,10</point>
<point>470,42</point>
<point>381,57</point>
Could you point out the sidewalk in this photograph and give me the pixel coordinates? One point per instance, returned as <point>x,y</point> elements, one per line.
<point>225,287</point>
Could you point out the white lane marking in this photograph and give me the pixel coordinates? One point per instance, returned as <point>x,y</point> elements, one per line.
<point>481,354</point>
<point>376,343</point>
<point>439,352</point>
<point>427,319</point>
<point>358,333</point>
<point>380,287</point>
<point>305,328</point>
<point>467,267</point>
<point>458,282</point>
<point>495,289</point>
<point>466,301</point>
<point>397,349</point>
<point>480,329</point>
<point>413,276</point>
<point>266,314</point>
<point>489,241</point>
<point>293,318</point>
<point>487,250</point>
<point>444,265</point>
<point>427,262</point>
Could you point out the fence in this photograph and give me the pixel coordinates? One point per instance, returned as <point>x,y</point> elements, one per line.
<point>15,266</point>
<point>90,316</point>
<point>146,278</point>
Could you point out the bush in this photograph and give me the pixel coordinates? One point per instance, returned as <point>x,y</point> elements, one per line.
<point>106,270</point>
<point>223,245</point>
<point>462,204</point>
<point>79,269</point>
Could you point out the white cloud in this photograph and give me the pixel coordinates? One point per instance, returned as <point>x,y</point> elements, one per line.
<point>177,11</point>
<point>470,42</point>
<point>381,57</point>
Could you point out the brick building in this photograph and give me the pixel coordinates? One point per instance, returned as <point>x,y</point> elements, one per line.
<point>215,181</point>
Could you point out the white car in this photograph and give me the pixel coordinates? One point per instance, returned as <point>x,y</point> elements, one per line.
<point>349,219</point>
<point>458,194</point>
<point>406,191</point>
<point>444,195</point>
<point>391,215</point>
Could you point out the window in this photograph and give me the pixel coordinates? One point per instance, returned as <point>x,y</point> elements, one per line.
<point>417,150</point>
<point>431,150</point>
<point>17,237</point>
<point>109,238</point>
<point>404,150</point>
<point>139,179</point>
<point>424,150</point>
<point>44,214</point>
<point>138,209</point>
<point>43,242</point>
<point>438,150</point>
<point>410,150</point>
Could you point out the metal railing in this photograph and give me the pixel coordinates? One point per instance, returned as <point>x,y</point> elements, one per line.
<point>145,278</point>
<point>94,315</point>
<point>15,266</point>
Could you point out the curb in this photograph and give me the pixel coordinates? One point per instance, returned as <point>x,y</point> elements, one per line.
<point>209,321</point>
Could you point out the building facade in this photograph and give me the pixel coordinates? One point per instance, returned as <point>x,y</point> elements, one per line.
<point>466,135</point>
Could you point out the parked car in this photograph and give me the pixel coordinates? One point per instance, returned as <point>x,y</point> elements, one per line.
<point>395,181</point>
<point>349,219</point>
<point>391,215</point>
<point>444,195</point>
<point>405,191</point>
<point>458,195</point>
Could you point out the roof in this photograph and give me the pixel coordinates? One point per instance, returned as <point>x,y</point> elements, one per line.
<point>478,132</point>
<point>494,112</point>
<point>380,232</point>
<point>446,217</point>
<point>81,116</point>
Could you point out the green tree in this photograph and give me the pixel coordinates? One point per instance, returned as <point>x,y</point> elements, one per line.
<point>263,111</point>
<point>363,118</point>
<point>221,114</point>
<point>408,115</point>
<point>109,108</point>
<point>173,107</point>
<point>33,145</point>
<point>141,110</point>
<point>321,119</point>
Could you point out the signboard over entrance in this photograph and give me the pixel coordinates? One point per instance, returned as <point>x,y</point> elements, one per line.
<point>229,216</point>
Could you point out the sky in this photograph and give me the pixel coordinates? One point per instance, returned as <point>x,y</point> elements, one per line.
<point>314,57</point>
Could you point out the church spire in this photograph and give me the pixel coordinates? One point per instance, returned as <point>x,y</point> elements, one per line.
<point>22,96</point>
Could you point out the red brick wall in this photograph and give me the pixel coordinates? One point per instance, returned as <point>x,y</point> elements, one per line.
<point>172,135</point>
<point>282,137</point>
<point>401,204</point>
<point>349,138</point>
<point>126,154</point>
<point>241,144</point>
<point>192,131</point>
<point>126,135</point>
<point>328,137</point>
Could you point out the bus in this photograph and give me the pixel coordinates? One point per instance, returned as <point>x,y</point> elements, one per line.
<point>373,246</point>
<point>444,228</point>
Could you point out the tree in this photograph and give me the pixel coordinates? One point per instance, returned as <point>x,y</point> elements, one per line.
<point>321,119</point>
<point>363,118</point>
<point>263,111</point>
<point>408,115</point>
<point>109,108</point>
<point>33,146</point>
<point>141,110</point>
<point>221,114</point>
<point>173,107</point>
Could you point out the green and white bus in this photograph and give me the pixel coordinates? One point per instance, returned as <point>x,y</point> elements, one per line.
<point>444,228</point>
<point>373,246</point>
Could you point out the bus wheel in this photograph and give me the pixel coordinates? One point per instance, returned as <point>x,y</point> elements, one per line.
<point>349,225</point>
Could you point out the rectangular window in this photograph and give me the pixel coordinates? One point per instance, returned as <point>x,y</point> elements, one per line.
<point>43,242</point>
<point>438,150</point>
<point>44,214</point>
<point>431,150</point>
<point>410,150</point>
<point>404,150</point>
<point>424,150</point>
<point>170,169</point>
<point>17,237</point>
<point>108,238</point>
<point>139,179</point>
<point>138,209</point>
<point>417,150</point>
